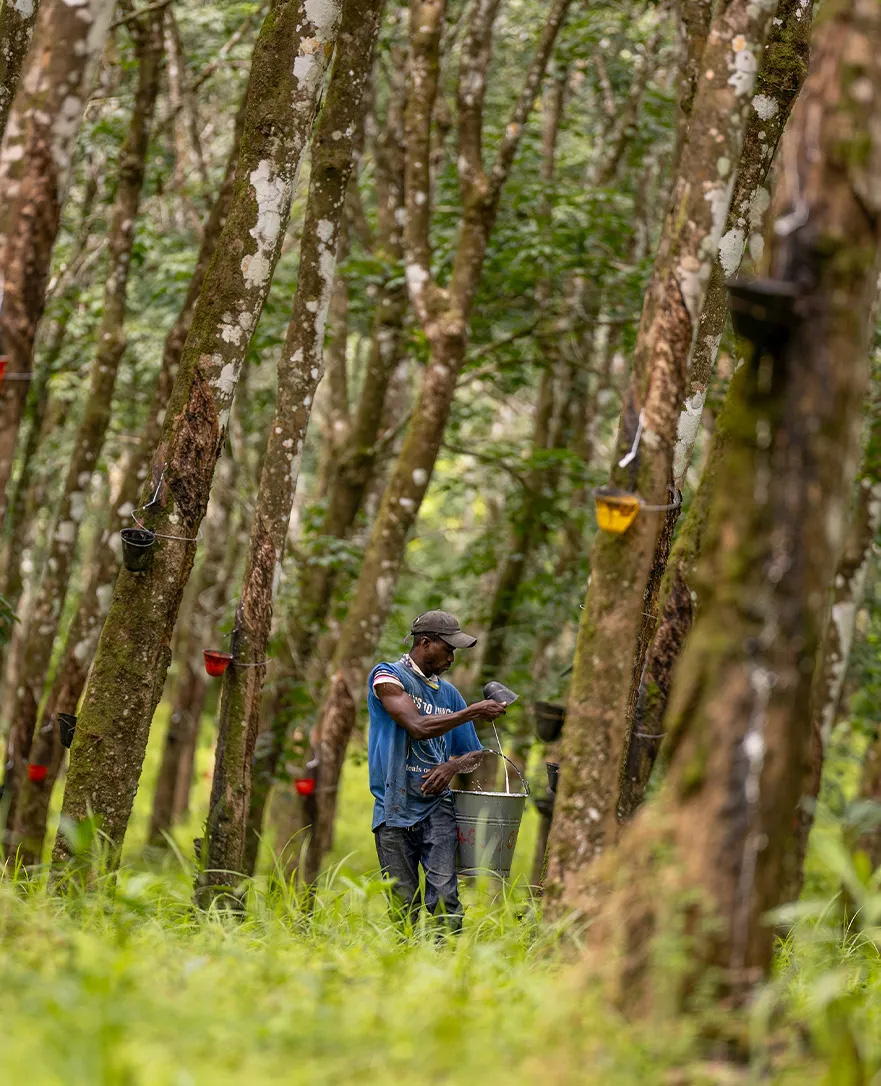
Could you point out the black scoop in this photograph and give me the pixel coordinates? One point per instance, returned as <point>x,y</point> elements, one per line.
<point>496,692</point>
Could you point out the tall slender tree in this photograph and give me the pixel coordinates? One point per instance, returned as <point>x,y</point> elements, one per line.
<point>846,596</point>
<point>45,614</point>
<point>35,157</point>
<point>781,74</point>
<point>101,570</point>
<point>721,833</point>
<point>300,367</point>
<point>128,673</point>
<point>622,565</point>
<point>443,313</point>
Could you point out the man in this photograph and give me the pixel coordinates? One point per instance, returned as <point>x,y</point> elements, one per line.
<point>421,735</point>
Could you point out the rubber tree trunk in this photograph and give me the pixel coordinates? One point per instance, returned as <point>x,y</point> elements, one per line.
<point>212,586</point>
<point>529,524</point>
<point>35,158</point>
<point>300,367</point>
<point>781,75</point>
<point>848,588</point>
<point>350,451</point>
<point>89,439</point>
<point>622,566</point>
<point>443,314</point>
<point>17,18</point>
<point>693,23</point>
<point>721,834</point>
<point>49,345</point>
<point>81,641</point>
<point>134,649</point>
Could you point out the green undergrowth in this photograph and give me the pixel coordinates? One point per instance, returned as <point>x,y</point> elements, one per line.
<point>134,988</point>
<point>128,985</point>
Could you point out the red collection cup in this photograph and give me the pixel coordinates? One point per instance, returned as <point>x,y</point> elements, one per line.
<point>216,662</point>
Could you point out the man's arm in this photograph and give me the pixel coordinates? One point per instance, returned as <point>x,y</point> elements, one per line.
<point>402,709</point>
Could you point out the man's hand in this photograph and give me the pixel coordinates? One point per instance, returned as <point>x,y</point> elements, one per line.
<point>487,709</point>
<point>438,780</point>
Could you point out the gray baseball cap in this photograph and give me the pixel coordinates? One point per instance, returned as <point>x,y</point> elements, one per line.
<point>445,626</point>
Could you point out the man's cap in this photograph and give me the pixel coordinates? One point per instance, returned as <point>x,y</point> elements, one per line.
<point>445,626</point>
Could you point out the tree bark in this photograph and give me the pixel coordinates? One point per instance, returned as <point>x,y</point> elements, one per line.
<point>89,439</point>
<point>693,18</point>
<point>781,75</point>
<point>212,587</point>
<point>530,525</point>
<point>720,836</point>
<point>35,157</point>
<point>82,637</point>
<point>622,566</point>
<point>300,367</point>
<point>848,588</point>
<point>443,313</point>
<point>133,653</point>
<point>17,18</point>
<point>349,453</point>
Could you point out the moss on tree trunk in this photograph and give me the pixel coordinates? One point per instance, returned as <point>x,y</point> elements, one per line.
<point>127,676</point>
<point>720,837</point>
<point>622,566</point>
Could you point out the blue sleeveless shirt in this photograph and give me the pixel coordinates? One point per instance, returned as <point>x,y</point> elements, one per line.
<point>397,763</point>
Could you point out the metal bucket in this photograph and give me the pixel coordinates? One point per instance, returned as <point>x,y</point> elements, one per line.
<point>488,824</point>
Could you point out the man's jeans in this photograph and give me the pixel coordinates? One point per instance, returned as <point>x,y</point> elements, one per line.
<point>431,843</point>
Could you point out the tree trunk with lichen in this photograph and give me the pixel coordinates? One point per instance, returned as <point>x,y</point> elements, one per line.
<point>18,524</point>
<point>693,24</point>
<point>780,78</point>
<point>35,156</point>
<point>17,18</point>
<point>45,614</point>
<point>82,636</point>
<point>622,566</point>
<point>443,313</point>
<point>128,673</point>
<point>300,367</point>
<point>781,74</point>
<point>208,610</point>
<point>350,450</point>
<point>720,835</point>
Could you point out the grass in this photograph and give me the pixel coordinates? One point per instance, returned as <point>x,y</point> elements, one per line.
<point>130,987</point>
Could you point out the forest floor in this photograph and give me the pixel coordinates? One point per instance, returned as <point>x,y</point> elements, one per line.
<point>132,988</point>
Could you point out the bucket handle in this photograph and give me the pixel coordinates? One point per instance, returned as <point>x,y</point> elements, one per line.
<point>499,754</point>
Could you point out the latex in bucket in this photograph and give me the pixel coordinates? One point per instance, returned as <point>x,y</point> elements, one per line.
<point>487,824</point>
<point>616,509</point>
